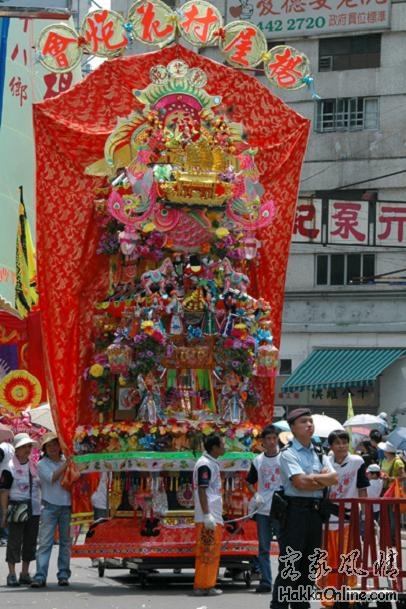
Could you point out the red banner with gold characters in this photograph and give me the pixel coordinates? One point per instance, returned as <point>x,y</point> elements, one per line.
<point>70,132</point>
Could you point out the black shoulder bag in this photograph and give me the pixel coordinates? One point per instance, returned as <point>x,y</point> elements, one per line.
<point>19,512</point>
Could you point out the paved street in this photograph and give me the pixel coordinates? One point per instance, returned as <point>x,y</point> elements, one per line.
<point>119,590</point>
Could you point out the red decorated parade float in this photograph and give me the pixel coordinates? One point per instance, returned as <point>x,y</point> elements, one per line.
<point>166,190</point>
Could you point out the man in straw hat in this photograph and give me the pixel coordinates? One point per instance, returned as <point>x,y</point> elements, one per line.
<point>305,473</point>
<point>55,515</point>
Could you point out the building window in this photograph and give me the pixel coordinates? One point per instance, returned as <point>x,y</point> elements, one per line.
<point>285,367</point>
<point>350,53</point>
<point>343,269</point>
<point>347,114</point>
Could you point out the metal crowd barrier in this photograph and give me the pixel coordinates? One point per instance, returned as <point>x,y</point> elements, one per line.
<point>379,546</point>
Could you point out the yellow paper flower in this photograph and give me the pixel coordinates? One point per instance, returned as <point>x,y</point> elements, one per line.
<point>222,232</point>
<point>96,370</point>
<point>148,227</point>
<point>147,324</point>
<point>122,381</point>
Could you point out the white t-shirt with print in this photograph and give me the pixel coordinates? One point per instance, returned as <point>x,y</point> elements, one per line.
<point>213,489</point>
<point>20,488</point>
<point>269,479</point>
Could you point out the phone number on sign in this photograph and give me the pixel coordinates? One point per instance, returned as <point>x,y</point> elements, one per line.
<point>301,23</point>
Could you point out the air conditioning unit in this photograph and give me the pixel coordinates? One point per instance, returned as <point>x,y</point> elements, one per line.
<point>326,63</point>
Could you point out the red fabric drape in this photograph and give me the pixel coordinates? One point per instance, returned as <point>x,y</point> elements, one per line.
<point>70,132</point>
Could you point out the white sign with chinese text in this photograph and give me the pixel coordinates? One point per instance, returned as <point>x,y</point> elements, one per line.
<point>390,224</point>
<point>307,226</point>
<point>348,222</point>
<point>22,82</point>
<point>280,19</point>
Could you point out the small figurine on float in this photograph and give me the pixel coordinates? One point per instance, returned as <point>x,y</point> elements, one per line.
<point>209,325</point>
<point>136,318</point>
<point>193,273</point>
<point>230,305</point>
<point>178,265</point>
<point>150,399</point>
<point>175,310</point>
<point>232,398</point>
<point>159,276</point>
<point>234,279</point>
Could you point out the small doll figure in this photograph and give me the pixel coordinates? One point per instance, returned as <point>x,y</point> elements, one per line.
<point>209,319</point>
<point>175,310</point>
<point>137,316</point>
<point>178,265</point>
<point>150,405</point>
<point>233,396</point>
<point>193,273</point>
<point>230,316</point>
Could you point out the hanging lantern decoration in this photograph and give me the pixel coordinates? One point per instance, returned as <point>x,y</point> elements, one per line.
<point>243,44</point>
<point>200,22</point>
<point>58,48</point>
<point>120,358</point>
<point>250,247</point>
<point>153,22</point>
<point>267,360</point>
<point>287,68</point>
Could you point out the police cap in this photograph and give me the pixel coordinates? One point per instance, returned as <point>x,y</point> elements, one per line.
<point>298,412</point>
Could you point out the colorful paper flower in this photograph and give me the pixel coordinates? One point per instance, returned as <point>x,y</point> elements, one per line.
<point>96,371</point>
<point>20,389</point>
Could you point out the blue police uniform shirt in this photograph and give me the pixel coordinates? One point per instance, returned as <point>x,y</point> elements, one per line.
<point>299,459</point>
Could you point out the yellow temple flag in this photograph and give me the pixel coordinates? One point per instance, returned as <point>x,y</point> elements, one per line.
<point>350,409</point>
<point>350,413</point>
<point>26,295</point>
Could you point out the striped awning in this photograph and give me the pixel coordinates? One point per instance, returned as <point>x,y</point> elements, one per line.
<point>335,368</point>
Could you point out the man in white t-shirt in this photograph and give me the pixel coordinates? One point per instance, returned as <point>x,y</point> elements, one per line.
<point>265,474</point>
<point>352,482</point>
<point>208,516</point>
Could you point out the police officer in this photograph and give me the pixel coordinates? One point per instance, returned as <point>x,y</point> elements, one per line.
<point>305,472</point>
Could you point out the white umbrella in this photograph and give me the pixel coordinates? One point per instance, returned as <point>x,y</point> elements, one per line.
<point>367,421</point>
<point>324,425</point>
<point>42,417</point>
<point>281,425</point>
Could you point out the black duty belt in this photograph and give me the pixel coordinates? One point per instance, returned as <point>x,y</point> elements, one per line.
<point>304,502</point>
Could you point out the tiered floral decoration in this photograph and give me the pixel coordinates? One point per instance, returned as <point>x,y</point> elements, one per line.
<point>179,340</point>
